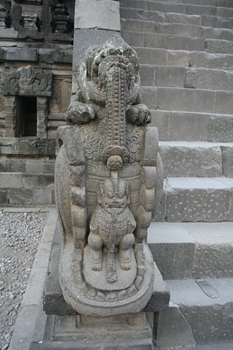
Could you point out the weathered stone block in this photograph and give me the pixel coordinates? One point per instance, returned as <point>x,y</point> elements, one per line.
<point>227,161</point>
<point>172,249</point>
<point>175,99</point>
<point>11,180</point>
<point>15,166</point>
<point>149,96</point>
<point>20,196</point>
<point>191,159</point>
<point>178,58</point>
<point>223,102</point>
<point>38,181</point>
<point>138,25</point>
<point>42,196</point>
<point>23,54</point>
<point>220,128</point>
<point>197,199</point>
<point>200,78</point>
<point>211,60</point>
<point>3,196</point>
<point>148,55</point>
<point>219,46</point>
<point>170,76</point>
<point>35,166</point>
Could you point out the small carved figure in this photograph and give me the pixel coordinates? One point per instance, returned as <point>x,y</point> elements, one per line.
<point>112,225</point>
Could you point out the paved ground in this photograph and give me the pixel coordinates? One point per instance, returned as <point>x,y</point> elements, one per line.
<point>20,234</point>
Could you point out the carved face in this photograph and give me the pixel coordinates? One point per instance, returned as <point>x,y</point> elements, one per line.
<point>114,193</point>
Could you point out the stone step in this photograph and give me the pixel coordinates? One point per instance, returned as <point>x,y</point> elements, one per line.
<point>195,159</point>
<point>184,58</point>
<point>223,3</point>
<point>188,9</point>
<point>218,46</point>
<point>177,42</point>
<point>211,60</point>
<point>189,100</point>
<point>181,77</point>
<point>171,42</point>
<point>189,126</point>
<point>196,199</point>
<point>192,250</point>
<point>171,17</point>
<point>209,318</point>
<point>176,29</point>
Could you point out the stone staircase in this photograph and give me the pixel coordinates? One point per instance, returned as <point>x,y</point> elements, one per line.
<point>185,48</point>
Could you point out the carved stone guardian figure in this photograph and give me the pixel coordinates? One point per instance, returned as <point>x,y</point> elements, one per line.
<point>109,180</point>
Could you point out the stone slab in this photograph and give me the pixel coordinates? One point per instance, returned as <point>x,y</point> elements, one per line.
<point>172,249</point>
<point>158,16</point>
<point>171,42</point>
<point>22,54</point>
<point>101,15</point>
<point>211,60</point>
<point>191,159</point>
<point>167,76</point>
<point>220,128</point>
<point>181,126</point>
<point>218,46</point>
<point>198,199</point>
<point>227,156</point>
<point>209,318</point>
<point>151,55</point>
<point>214,249</point>
<point>173,331</point>
<point>199,78</point>
<point>178,99</point>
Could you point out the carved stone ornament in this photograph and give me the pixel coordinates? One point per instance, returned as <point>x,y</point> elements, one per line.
<point>109,179</point>
<point>26,81</point>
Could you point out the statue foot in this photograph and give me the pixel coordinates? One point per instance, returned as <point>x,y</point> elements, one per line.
<point>125,265</point>
<point>96,265</point>
<point>125,259</point>
<point>96,260</point>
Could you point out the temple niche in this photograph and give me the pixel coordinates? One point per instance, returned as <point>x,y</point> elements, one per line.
<point>109,179</point>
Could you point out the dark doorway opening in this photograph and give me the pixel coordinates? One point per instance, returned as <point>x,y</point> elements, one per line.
<point>26,116</point>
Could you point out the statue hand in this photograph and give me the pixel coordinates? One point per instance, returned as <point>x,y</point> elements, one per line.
<point>79,113</point>
<point>138,114</point>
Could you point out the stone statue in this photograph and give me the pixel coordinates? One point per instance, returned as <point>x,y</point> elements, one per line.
<point>109,180</point>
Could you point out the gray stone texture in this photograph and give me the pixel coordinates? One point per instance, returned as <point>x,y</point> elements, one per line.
<point>163,41</point>
<point>209,318</point>
<point>220,128</point>
<point>218,46</point>
<point>195,199</point>
<point>211,60</point>
<point>173,330</point>
<point>227,155</point>
<point>200,78</point>
<point>194,159</point>
<point>23,54</point>
<point>173,250</point>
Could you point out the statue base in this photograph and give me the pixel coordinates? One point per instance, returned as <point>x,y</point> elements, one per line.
<point>76,332</point>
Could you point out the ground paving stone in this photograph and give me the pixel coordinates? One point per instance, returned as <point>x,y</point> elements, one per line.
<point>20,235</point>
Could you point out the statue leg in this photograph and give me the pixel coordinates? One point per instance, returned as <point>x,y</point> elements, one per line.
<point>124,251</point>
<point>96,243</point>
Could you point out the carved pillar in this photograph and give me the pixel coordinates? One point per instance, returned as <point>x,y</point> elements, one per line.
<point>10,108</point>
<point>30,19</point>
<point>42,117</point>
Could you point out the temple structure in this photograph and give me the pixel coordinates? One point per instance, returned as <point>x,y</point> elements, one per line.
<point>185,55</point>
